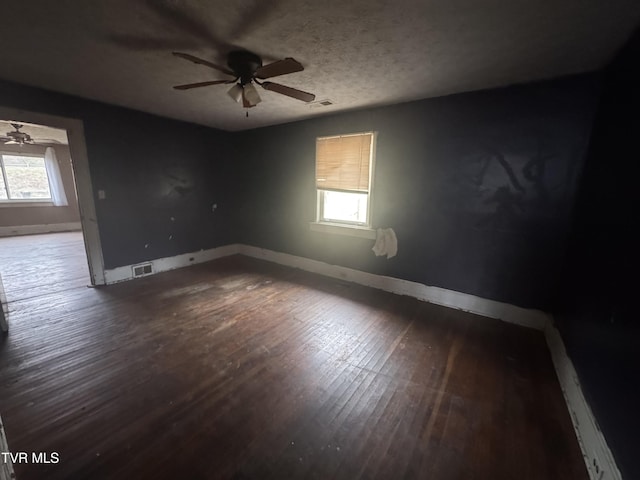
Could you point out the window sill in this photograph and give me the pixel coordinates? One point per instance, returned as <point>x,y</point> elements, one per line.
<point>341,229</point>
<point>13,204</point>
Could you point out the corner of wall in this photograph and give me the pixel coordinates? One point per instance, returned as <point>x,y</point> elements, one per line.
<point>598,458</point>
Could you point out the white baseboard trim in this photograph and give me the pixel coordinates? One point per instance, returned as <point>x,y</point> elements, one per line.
<point>448,298</point>
<point>598,457</point>
<point>440,296</point>
<point>35,229</point>
<point>6,468</point>
<point>121,274</point>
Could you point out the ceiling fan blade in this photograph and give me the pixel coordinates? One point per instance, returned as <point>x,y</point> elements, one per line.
<point>288,91</point>
<point>281,67</point>
<point>255,15</point>
<point>174,15</point>
<point>200,61</point>
<point>141,43</point>
<point>186,30</point>
<point>201,84</point>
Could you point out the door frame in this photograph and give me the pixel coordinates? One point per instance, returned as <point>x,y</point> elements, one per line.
<point>82,179</point>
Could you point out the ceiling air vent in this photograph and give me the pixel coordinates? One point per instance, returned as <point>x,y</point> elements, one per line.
<point>142,269</point>
<point>321,103</point>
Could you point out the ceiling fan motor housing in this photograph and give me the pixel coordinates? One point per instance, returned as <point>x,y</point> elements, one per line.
<point>244,64</point>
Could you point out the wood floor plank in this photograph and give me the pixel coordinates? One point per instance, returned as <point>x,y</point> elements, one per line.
<point>239,369</point>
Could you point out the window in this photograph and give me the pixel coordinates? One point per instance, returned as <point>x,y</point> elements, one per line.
<point>344,172</point>
<point>24,178</point>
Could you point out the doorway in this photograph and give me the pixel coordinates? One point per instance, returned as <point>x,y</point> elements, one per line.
<point>23,169</point>
<point>78,154</point>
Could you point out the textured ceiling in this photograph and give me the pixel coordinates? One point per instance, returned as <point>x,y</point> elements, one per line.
<point>356,53</point>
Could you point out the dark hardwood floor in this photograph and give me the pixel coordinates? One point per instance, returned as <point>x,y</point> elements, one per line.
<point>241,369</point>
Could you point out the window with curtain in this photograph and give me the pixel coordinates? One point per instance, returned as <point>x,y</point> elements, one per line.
<point>344,171</point>
<point>24,178</point>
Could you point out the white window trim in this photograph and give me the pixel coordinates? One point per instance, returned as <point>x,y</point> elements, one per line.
<point>343,229</point>
<point>42,202</point>
<point>346,228</point>
<point>21,202</point>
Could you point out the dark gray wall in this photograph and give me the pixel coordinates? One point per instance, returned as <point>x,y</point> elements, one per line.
<point>478,187</point>
<point>161,177</point>
<point>596,311</point>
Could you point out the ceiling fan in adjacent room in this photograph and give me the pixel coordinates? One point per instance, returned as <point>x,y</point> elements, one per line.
<point>246,69</point>
<point>16,137</point>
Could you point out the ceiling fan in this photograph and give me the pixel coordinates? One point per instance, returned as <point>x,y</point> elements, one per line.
<point>246,69</point>
<point>16,137</point>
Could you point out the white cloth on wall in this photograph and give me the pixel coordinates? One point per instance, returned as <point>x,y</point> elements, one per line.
<point>386,243</point>
<point>55,178</point>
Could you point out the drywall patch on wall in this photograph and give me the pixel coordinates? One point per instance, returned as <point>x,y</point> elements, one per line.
<point>121,274</point>
<point>34,229</point>
<point>439,296</point>
<point>598,457</point>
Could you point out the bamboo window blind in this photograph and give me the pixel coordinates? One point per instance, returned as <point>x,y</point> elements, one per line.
<point>343,162</point>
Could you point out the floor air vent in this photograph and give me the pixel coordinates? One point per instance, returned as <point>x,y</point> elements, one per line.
<point>142,269</point>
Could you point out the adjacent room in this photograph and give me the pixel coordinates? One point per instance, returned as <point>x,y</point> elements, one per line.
<point>295,239</point>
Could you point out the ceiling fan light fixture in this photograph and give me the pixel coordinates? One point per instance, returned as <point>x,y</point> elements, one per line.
<point>235,92</point>
<point>247,68</point>
<point>251,94</point>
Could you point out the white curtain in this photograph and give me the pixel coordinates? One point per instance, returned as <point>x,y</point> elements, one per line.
<point>55,179</point>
